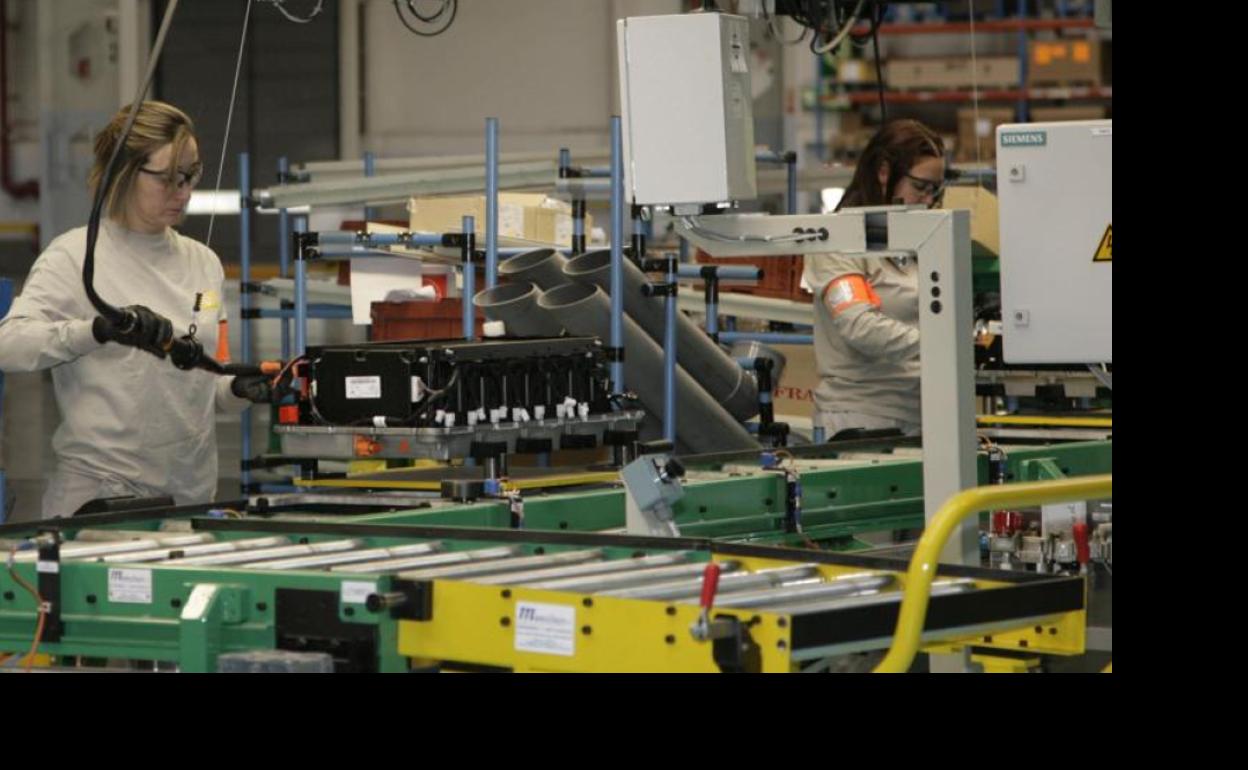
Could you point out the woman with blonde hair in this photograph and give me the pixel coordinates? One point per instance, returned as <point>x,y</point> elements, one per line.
<point>133,425</point>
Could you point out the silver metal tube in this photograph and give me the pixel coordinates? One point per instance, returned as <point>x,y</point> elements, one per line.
<point>543,267</point>
<point>889,597</point>
<point>503,565</point>
<point>349,557</point>
<point>712,368</point>
<point>701,422</point>
<point>594,568</point>
<point>808,592</point>
<point>222,559</point>
<point>230,546</point>
<point>437,560</point>
<point>596,583</point>
<point>740,581</point>
<point>515,304</point>
<point>71,551</point>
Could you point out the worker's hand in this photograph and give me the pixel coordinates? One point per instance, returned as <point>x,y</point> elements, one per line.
<point>141,328</point>
<point>254,388</point>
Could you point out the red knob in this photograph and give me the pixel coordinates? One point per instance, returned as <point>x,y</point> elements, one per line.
<point>710,584</point>
<point>1000,523</point>
<point>1080,532</point>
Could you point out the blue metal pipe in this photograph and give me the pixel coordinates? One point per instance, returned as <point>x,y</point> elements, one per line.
<point>819,149</point>
<point>330,312</point>
<point>244,297</point>
<point>301,295</point>
<point>491,205</point>
<point>791,198</point>
<point>712,318</point>
<point>669,357</point>
<point>776,338</point>
<point>723,272</point>
<point>818,435</point>
<point>370,169</point>
<point>283,249</point>
<point>470,276</point>
<point>617,255</point>
<point>372,240</point>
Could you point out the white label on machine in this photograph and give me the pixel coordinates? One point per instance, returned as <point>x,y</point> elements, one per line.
<point>546,628</point>
<point>418,389</point>
<point>48,567</point>
<point>130,586</point>
<point>356,591</point>
<point>363,387</point>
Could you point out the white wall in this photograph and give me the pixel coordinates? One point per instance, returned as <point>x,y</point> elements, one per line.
<point>544,68</point>
<point>23,109</point>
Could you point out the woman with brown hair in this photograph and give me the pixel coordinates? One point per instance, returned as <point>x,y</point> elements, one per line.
<point>867,310</point>
<point>133,425</point>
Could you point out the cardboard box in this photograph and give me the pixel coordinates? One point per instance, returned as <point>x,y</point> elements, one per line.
<point>795,395</point>
<point>1056,114</point>
<point>531,216</point>
<point>856,72</point>
<point>1065,62</point>
<point>952,73</point>
<point>981,131</point>
<point>985,221</point>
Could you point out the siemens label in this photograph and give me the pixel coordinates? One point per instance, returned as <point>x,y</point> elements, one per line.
<point>1024,139</point>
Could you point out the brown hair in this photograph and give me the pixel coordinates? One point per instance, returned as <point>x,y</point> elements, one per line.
<point>901,144</point>
<point>156,125</point>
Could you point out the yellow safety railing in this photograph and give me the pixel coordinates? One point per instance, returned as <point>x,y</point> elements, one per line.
<point>967,503</point>
<point>1049,422</point>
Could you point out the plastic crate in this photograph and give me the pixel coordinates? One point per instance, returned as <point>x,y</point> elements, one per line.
<point>439,320</point>
<point>782,276</point>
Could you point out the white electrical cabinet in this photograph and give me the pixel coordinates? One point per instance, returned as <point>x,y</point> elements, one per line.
<point>1055,188</point>
<point>687,111</point>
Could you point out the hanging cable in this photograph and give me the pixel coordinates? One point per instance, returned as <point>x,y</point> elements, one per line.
<point>446,8</point>
<point>113,314</point>
<point>229,117</point>
<point>280,5</point>
<point>184,352</point>
<point>846,28</point>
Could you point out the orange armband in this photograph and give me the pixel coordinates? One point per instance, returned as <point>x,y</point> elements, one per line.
<point>847,291</point>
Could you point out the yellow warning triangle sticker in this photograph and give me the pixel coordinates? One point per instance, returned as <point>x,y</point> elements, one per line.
<point>1104,252</point>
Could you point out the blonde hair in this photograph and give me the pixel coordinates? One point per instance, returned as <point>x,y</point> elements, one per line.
<point>156,125</point>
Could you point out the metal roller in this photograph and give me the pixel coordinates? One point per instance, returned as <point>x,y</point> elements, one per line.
<point>416,562</point>
<point>810,592</point>
<point>229,546</point>
<point>349,557</point>
<point>596,583</point>
<point>73,551</point>
<point>740,581</point>
<point>493,567</point>
<point>221,559</point>
<point>594,568</point>
<point>889,597</point>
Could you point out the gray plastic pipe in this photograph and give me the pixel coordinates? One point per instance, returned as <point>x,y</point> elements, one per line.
<point>515,304</point>
<point>701,423</point>
<point>543,267</point>
<point>713,369</point>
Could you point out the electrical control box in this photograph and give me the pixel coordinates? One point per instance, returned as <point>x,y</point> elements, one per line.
<point>1055,189</point>
<point>688,115</point>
